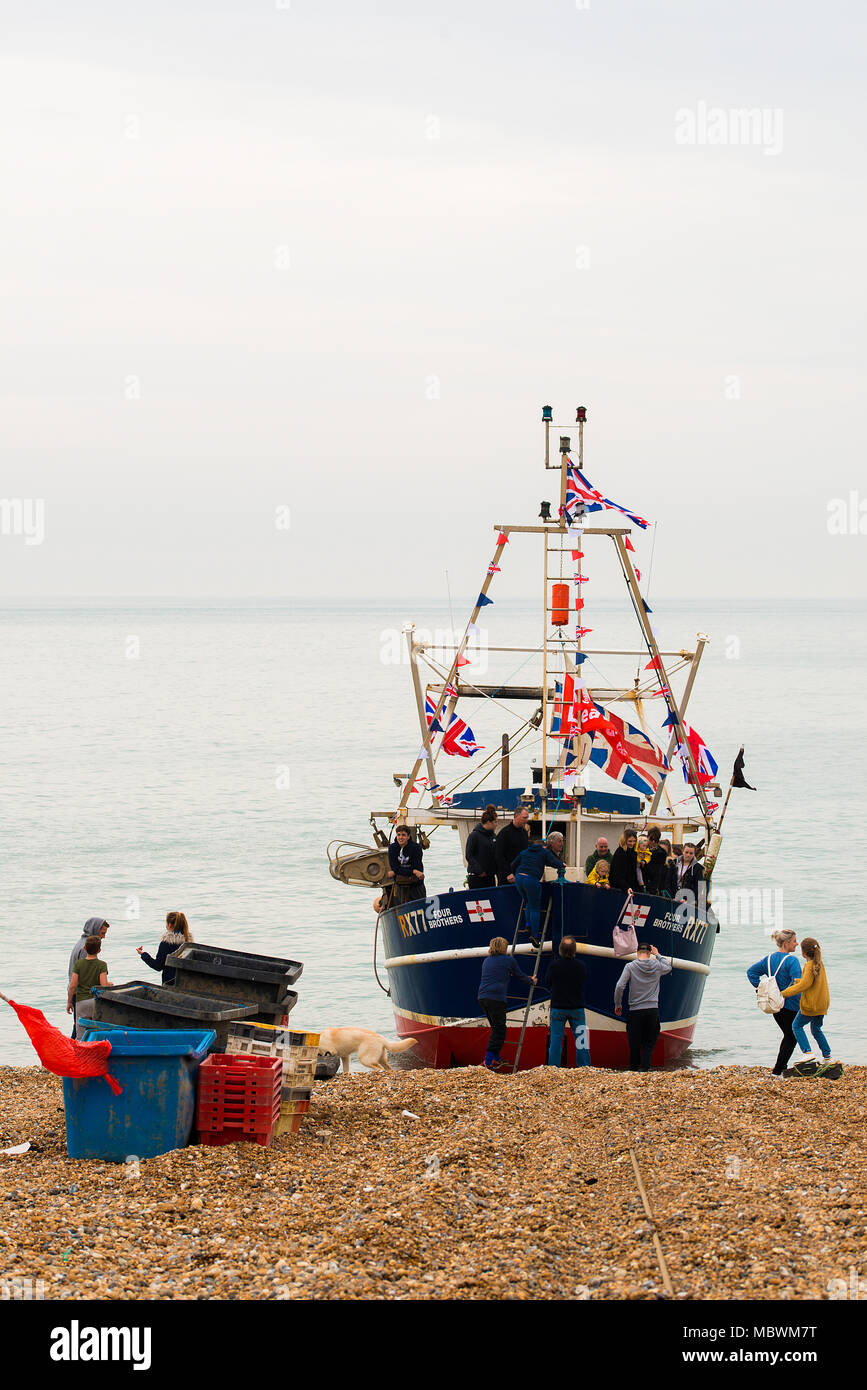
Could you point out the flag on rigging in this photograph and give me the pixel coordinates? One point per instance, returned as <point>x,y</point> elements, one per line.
<point>582,496</point>
<point>738,778</point>
<point>704,760</point>
<point>430,709</point>
<point>626,754</point>
<point>458,740</point>
<point>563,724</point>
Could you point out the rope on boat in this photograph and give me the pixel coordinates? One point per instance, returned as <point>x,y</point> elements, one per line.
<point>383,987</point>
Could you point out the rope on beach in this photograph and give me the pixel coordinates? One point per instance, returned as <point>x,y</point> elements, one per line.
<point>666,1281</point>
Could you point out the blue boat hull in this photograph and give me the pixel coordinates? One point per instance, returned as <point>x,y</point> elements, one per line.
<point>434,947</point>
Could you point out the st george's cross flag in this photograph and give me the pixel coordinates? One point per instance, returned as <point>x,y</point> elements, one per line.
<point>481,911</point>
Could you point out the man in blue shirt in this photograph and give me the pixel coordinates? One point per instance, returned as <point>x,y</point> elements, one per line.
<point>529,869</point>
<point>783,965</point>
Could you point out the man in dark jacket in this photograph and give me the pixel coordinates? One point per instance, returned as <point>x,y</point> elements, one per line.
<point>684,874</point>
<point>511,841</point>
<point>565,982</point>
<point>406,867</point>
<point>481,851</point>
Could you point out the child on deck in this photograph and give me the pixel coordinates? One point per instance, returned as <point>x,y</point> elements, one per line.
<point>815,999</point>
<point>89,970</point>
<point>598,875</point>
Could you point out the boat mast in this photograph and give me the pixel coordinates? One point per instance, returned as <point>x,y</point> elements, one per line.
<point>701,642</point>
<point>638,601</point>
<point>412,645</point>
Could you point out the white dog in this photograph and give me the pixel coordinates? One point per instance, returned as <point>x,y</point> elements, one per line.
<point>372,1048</point>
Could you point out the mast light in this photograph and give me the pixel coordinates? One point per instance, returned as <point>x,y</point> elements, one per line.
<point>547,414</point>
<point>545,512</point>
<point>565,444</point>
<point>581,415</point>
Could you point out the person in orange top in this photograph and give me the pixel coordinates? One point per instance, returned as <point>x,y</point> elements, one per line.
<point>814,1003</point>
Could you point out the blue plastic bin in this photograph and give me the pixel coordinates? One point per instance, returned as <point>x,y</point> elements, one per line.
<point>154,1112</point>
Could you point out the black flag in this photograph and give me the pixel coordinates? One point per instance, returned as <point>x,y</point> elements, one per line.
<point>738,778</point>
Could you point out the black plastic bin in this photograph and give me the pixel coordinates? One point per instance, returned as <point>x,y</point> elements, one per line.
<point>139,1005</point>
<point>327,1067</point>
<point>223,973</point>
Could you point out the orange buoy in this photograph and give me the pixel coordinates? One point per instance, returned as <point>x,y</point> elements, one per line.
<point>560,605</point>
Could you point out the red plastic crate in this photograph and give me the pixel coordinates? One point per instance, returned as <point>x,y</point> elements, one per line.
<point>212,1138</point>
<point>238,1094</point>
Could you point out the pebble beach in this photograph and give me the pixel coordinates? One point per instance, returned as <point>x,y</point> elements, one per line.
<point>490,1187</point>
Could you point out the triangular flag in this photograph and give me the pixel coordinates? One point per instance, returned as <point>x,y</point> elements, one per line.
<point>671,721</point>
<point>647,607</point>
<point>580,658</point>
<point>493,569</point>
<point>462,661</point>
<point>577,554</point>
<point>629,545</point>
<point>738,778</point>
<point>502,539</point>
<point>472,627</point>
<point>579,602</point>
<point>582,631</point>
<point>483,600</point>
<point>654,665</point>
<point>638,574</point>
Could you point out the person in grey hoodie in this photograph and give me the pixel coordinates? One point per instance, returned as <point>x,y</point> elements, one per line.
<point>94,926</point>
<point>642,975</point>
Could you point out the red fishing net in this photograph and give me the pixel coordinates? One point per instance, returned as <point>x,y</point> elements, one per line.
<point>62,1055</point>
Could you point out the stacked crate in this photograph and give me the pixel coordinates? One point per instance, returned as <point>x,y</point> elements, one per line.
<point>238,1099</point>
<point>297,1053</point>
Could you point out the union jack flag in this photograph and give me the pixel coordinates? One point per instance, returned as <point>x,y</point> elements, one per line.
<point>458,739</point>
<point>626,754</point>
<point>430,709</point>
<point>564,721</point>
<point>582,496</point>
<point>702,756</point>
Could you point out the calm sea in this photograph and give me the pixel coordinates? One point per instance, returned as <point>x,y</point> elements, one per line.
<point>200,756</point>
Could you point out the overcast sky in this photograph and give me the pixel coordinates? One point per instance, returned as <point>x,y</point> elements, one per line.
<point>336,256</point>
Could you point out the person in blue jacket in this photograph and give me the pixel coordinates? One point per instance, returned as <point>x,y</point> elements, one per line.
<point>529,869</point>
<point>783,965</point>
<point>498,968</point>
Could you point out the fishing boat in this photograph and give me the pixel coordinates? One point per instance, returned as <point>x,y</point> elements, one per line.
<point>595,774</point>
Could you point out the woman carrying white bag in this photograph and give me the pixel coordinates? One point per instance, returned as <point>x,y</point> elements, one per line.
<point>778,970</point>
